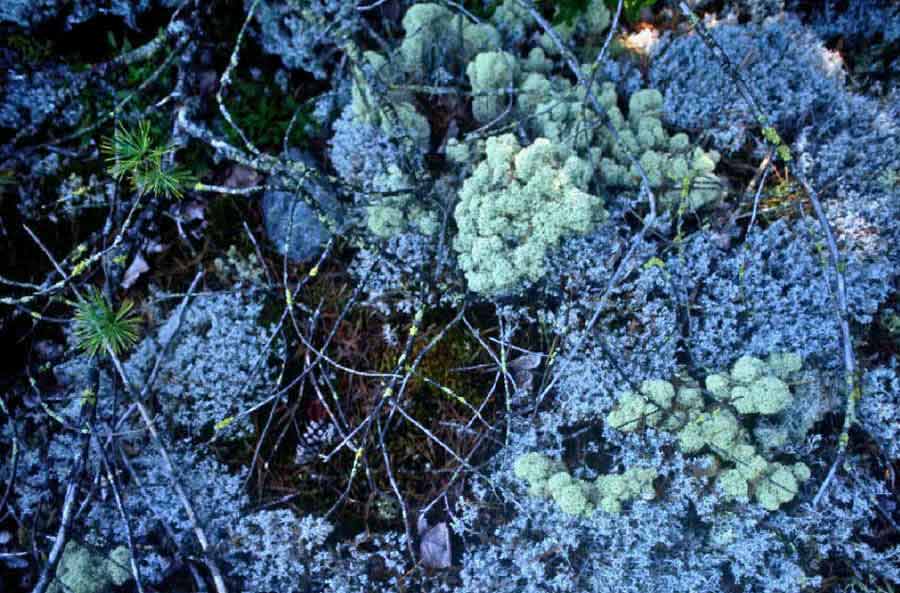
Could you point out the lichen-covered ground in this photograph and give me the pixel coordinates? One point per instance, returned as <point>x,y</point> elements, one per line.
<point>483,296</point>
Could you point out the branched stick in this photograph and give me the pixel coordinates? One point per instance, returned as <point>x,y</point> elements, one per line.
<point>114,485</point>
<point>851,382</point>
<point>14,461</point>
<point>171,474</point>
<point>72,487</point>
<point>225,81</point>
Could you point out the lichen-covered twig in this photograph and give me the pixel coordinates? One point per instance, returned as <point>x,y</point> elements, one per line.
<point>72,488</point>
<point>126,520</point>
<point>225,81</point>
<point>851,381</point>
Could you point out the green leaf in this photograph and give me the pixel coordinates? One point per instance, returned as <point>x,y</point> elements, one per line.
<point>568,10</point>
<point>631,9</point>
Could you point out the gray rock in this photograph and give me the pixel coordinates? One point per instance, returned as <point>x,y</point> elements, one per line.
<point>293,227</point>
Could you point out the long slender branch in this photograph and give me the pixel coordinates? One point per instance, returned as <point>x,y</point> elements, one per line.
<point>72,488</point>
<point>851,382</point>
<point>172,475</point>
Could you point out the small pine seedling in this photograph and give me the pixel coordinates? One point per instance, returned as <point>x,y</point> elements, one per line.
<point>136,154</point>
<point>98,326</point>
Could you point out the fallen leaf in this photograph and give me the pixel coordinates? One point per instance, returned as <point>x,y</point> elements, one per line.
<point>138,266</point>
<point>524,380</point>
<point>240,177</point>
<point>194,210</point>
<point>435,547</point>
<point>526,362</point>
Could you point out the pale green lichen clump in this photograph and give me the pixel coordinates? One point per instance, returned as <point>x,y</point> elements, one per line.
<point>679,173</point>
<point>590,24</point>
<point>548,478</point>
<point>433,32</point>
<point>536,469</point>
<point>518,204</point>
<point>395,213</point>
<point>573,496</point>
<point>753,386</point>
<point>489,74</point>
<point>399,119</point>
<point>82,571</point>
<point>615,489</point>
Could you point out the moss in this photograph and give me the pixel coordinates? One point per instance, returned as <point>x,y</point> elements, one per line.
<point>518,204</point>
<point>83,571</point>
<point>263,112</point>
<point>375,85</point>
<point>490,73</point>
<point>752,387</point>
<point>615,489</point>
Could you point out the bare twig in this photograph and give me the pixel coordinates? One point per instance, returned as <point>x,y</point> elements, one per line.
<point>851,382</point>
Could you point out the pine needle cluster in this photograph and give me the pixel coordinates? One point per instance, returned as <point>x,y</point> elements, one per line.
<point>98,326</point>
<point>136,154</point>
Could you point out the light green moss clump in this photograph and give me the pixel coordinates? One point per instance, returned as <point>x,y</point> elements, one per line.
<point>433,33</point>
<point>491,73</point>
<point>752,387</point>
<point>548,478</point>
<point>83,571</point>
<point>394,213</point>
<point>518,204</point>
<point>615,489</point>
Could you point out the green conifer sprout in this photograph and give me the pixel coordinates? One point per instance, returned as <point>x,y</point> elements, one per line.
<point>98,326</point>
